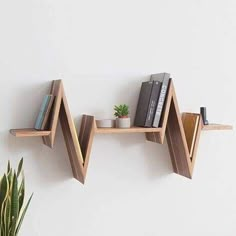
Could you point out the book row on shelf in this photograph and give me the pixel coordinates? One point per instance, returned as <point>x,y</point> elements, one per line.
<point>151,101</point>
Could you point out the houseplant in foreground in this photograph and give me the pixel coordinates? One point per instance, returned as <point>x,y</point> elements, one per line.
<point>122,112</point>
<point>12,194</point>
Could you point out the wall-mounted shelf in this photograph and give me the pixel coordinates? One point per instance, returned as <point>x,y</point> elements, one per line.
<point>124,131</point>
<point>28,132</point>
<point>79,146</point>
<point>217,127</point>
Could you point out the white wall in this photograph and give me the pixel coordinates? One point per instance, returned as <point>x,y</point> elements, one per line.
<point>103,50</point>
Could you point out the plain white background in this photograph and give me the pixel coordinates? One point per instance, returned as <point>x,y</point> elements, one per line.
<point>103,50</point>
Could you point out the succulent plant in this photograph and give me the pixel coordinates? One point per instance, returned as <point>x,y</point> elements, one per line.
<point>121,110</point>
<point>12,195</point>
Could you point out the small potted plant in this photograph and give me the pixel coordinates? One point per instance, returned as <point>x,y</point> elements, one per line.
<point>121,114</point>
<point>12,196</point>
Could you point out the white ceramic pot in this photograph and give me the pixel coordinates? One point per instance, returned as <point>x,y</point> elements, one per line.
<point>123,123</point>
<point>105,123</point>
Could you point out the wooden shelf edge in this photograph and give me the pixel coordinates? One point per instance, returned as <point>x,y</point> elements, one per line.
<point>129,130</point>
<point>216,127</point>
<point>29,132</point>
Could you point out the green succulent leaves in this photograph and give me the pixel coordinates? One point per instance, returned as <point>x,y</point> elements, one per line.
<point>121,110</point>
<point>12,194</point>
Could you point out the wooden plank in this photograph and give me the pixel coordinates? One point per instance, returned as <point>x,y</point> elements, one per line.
<point>177,142</point>
<point>123,131</point>
<point>217,127</point>
<point>86,136</point>
<point>79,148</point>
<point>191,123</point>
<point>154,137</point>
<point>28,132</point>
<point>56,90</point>
<point>71,140</point>
<point>196,142</point>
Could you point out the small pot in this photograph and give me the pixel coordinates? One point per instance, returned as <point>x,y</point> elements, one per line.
<point>105,123</point>
<point>123,122</point>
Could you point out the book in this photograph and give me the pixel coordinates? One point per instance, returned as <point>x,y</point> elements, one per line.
<point>47,113</point>
<point>42,111</point>
<point>143,102</point>
<point>146,107</point>
<point>164,78</point>
<point>156,89</point>
<point>190,124</point>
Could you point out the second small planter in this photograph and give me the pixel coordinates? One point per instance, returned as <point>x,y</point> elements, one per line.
<point>123,122</point>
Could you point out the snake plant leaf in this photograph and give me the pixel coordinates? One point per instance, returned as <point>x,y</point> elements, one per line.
<point>19,167</point>
<point>23,215</point>
<point>7,216</point>
<point>8,166</point>
<point>10,178</point>
<point>4,191</point>
<point>21,194</point>
<point>4,188</point>
<point>14,205</point>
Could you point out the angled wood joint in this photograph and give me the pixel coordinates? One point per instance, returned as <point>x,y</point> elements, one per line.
<point>173,127</point>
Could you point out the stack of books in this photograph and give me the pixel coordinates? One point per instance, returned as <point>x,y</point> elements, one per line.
<point>44,113</point>
<point>151,101</point>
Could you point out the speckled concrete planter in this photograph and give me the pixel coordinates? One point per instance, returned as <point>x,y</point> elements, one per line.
<point>123,123</point>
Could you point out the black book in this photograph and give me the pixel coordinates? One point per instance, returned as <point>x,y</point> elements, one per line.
<point>147,103</point>
<point>164,78</point>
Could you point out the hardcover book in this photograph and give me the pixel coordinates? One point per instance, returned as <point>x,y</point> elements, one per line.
<point>47,113</point>
<point>164,78</point>
<point>156,88</point>
<point>146,107</point>
<point>143,102</point>
<point>42,112</point>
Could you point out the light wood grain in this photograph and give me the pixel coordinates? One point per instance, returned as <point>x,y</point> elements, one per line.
<point>71,140</point>
<point>196,142</point>
<point>176,140</point>
<point>79,147</point>
<point>56,90</point>
<point>29,132</point>
<point>86,136</point>
<point>217,127</point>
<point>190,123</point>
<point>128,130</point>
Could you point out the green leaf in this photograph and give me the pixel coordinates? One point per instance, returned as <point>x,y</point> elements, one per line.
<point>21,194</point>
<point>3,191</point>
<point>23,215</point>
<point>8,166</point>
<point>19,167</point>
<point>7,216</point>
<point>14,205</point>
<point>10,178</point>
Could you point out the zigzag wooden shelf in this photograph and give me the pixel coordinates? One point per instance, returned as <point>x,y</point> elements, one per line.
<point>79,147</point>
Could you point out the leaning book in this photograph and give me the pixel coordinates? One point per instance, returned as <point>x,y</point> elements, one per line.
<point>42,111</point>
<point>146,107</point>
<point>164,78</point>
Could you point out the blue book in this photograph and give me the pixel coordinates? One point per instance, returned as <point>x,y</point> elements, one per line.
<point>43,109</point>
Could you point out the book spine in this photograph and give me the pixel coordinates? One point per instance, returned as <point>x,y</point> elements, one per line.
<point>47,113</point>
<point>156,88</point>
<point>41,114</point>
<point>143,102</point>
<point>161,100</point>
